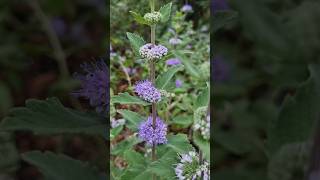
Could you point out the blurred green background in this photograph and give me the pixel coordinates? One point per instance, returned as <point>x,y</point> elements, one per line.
<point>265,88</point>
<point>42,43</point>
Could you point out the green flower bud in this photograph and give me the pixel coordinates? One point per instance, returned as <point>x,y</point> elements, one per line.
<point>152,18</point>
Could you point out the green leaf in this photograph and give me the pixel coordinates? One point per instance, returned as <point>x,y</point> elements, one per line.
<point>164,166</point>
<point>115,131</point>
<point>163,80</point>
<point>61,167</point>
<point>179,143</point>
<point>190,67</point>
<point>222,18</point>
<point>183,120</point>
<point>203,99</point>
<point>137,168</point>
<point>125,145</point>
<point>50,117</point>
<point>126,98</point>
<point>203,144</point>
<point>136,42</point>
<point>9,156</point>
<point>165,12</point>
<point>138,18</point>
<point>133,118</point>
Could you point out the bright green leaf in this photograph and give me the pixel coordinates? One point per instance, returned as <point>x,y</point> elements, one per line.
<point>133,118</point>
<point>163,80</point>
<point>136,42</point>
<point>203,99</point>
<point>164,166</point>
<point>165,12</point>
<point>179,143</point>
<point>138,18</point>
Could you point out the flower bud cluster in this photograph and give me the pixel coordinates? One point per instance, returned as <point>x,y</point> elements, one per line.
<point>166,94</point>
<point>202,122</point>
<point>153,52</point>
<point>153,17</point>
<point>190,168</point>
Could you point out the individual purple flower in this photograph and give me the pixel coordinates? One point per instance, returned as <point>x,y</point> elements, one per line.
<point>178,83</point>
<point>173,62</point>
<point>147,91</point>
<point>94,85</point>
<point>187,8</point>
<point>152,135</point>
<point>219,5</point>
<point>152,51</point>
<point>220,69</point>
<point>59,26</point>
<point>175,41</point>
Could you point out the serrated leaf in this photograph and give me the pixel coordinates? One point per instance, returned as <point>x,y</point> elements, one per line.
<point>136,42</point>
<point>54,167</point>
<point>133,118</point>
<point>203,145</point>
<point>190,67</point>
<point>126,98</point>
<point>138,18</point>
<point>51,117</point>
<point>222,18</point>
<point>164,166</point>
<point>137,168</point>
<point>179,143</point>
<point>163,79</point>
<point>165,12</point>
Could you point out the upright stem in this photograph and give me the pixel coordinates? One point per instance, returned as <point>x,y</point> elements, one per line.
<point>152,79</point>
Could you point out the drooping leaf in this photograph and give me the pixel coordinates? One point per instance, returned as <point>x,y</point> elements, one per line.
<point>138,18</point>
<point>133,118</point>
<point>190,67</point>
<point>61,167</point>
<point>165,12</point>
<point>51,117</point>
<point>126,98</point>
<point>163,79</point>
<point>179,143</point>
<point>136,42</point>
<point>203,145</point>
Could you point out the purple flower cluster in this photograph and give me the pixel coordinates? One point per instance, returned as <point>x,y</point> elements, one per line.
<point>147,91</point>
<point>187,8</point>
<point>95,85</point>
<point>173,62</point>
<point>152,51</point>
<point>153,136</point>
